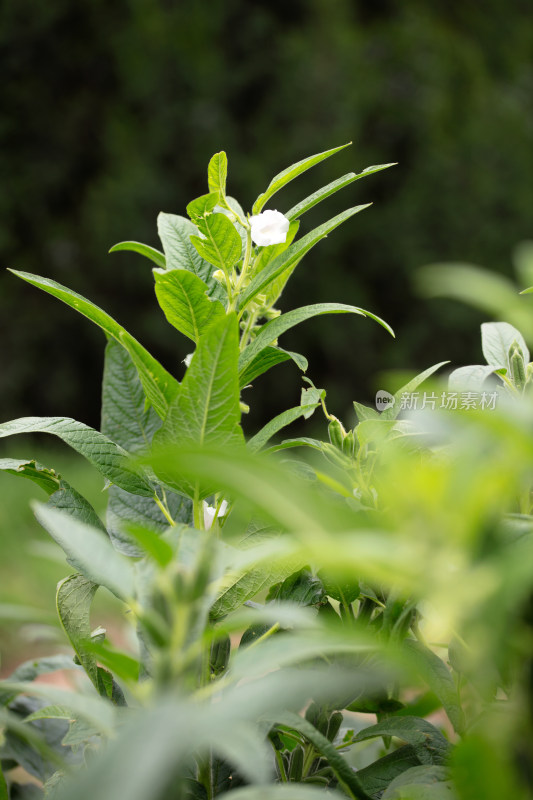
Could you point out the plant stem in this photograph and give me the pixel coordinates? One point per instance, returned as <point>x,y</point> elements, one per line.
<point>164,510</point>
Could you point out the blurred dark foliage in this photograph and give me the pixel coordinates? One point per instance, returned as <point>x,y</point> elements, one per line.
<point>109,113</point>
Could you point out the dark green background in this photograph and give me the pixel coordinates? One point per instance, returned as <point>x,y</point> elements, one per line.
<point>109,112</point>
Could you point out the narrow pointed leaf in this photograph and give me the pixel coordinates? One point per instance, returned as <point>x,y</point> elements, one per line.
<point>159,385</point>
<point>183,298</point>
<point>279,325</point>
<point>496,339</point>
<point>394,409</point>
<point>287,175</point>
<point>317,197</point>
<point>258,441</point>
<point>75,595</point>
<point>143,249</point>
<point>437,676</point>
<point>110,459</point>
<point>71,502</point>
<point>293,254</point>
<point>267,358</point>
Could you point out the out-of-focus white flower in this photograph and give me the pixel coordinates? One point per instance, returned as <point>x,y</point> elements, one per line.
<point>269,227</point>
<point>210,511</point>
<point>187,360</point>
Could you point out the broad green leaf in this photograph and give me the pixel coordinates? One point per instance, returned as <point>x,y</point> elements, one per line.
<point>496,339</point>
<point>287,175</point>
<point>88,550</point>
<point>159,385</point>
<point>428,743</point>
<point>203,205</point>
<point>294,253</point>
<point>258,441</point>
<point>437,676</point>
<point>75,595</point>
<point>217,173</point>
<point>47,479</point>
<point>421,783</point>
<point>125,510</point>
<point>267,358</point>
<point>36,747</point>
<point>126,420</point>
<point>222,245</point>
<point>143,249</point>
<point>394,409</point>
<point>317,197</point>
<point>378,775</point>
<point>336,761</point>
<point>206,410</point>
<point>470,378</point>
<point>175,233</point>
<point>29,670</point>
<point>67,499</point>
<point>110,459</point>
<point>284,322</point>
<point>123,665</point>
<point>236,588</point>
<point>287,791</point>
<point>183,298</point>
<point>79,731</point>
<point>151,543</point>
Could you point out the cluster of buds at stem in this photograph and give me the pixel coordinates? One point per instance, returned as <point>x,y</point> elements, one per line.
<point>339,438</point>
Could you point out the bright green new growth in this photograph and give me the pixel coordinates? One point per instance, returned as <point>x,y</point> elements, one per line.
<point>381,576</point>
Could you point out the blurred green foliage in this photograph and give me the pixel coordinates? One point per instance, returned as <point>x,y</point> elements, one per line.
<point>110,111</point>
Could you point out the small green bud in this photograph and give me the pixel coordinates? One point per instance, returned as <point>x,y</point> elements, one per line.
<point>296,764</point>
<point>348,445</point>
<point>219,275</point>
<point>334,724</point>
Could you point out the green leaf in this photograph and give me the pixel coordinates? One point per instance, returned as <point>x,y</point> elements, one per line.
<point>394,409</point>
<point>88,550</point>
<point>126,420</point>
<point>421,783</point>
<point>110,459</point>
<point>294,253</point>
<point>496,339</point>
<point>175,233</point>
<point>288,791</point>
<point>365,412</point>
<point>343,771</point>
<point>122,664</point>
<point>470,378</point>
<point>47,479</point>
<point>217,173</point>
<point>182,296</point>
<point>236,588</point>
<point>67,499</point>
<point>287,175</point>
<point>3,786</point>
<point>284,322</point>
<point>222,245</point>
<point>429,744</point>
<point>258,441</point>
<point>267,358</point>
<point>202,206</point>
<point>143,249</point>
<point>159,385</point>
<point>436,674</point>
<point>313,199</point>
<point>75,595</point>
<point>378,775</point>
<point>206,409</point>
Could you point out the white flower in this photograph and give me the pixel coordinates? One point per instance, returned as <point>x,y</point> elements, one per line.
<point>209,513</point>
<point>187,360</point>
<point>269,227</point>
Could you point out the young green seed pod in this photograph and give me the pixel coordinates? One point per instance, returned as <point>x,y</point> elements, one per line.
<point>296,764</point>
<point>312,714</point>
<point>516,362</point>
<point>322,722</point>
<point>334,724</point>
<point>336,432</point>
<point>348,445</point>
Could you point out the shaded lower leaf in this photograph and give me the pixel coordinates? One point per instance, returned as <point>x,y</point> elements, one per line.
<point>428,743</point>
<point>436,674</point>
<point>378,775</point>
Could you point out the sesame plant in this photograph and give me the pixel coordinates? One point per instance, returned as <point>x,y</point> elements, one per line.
<point>290,622</point>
